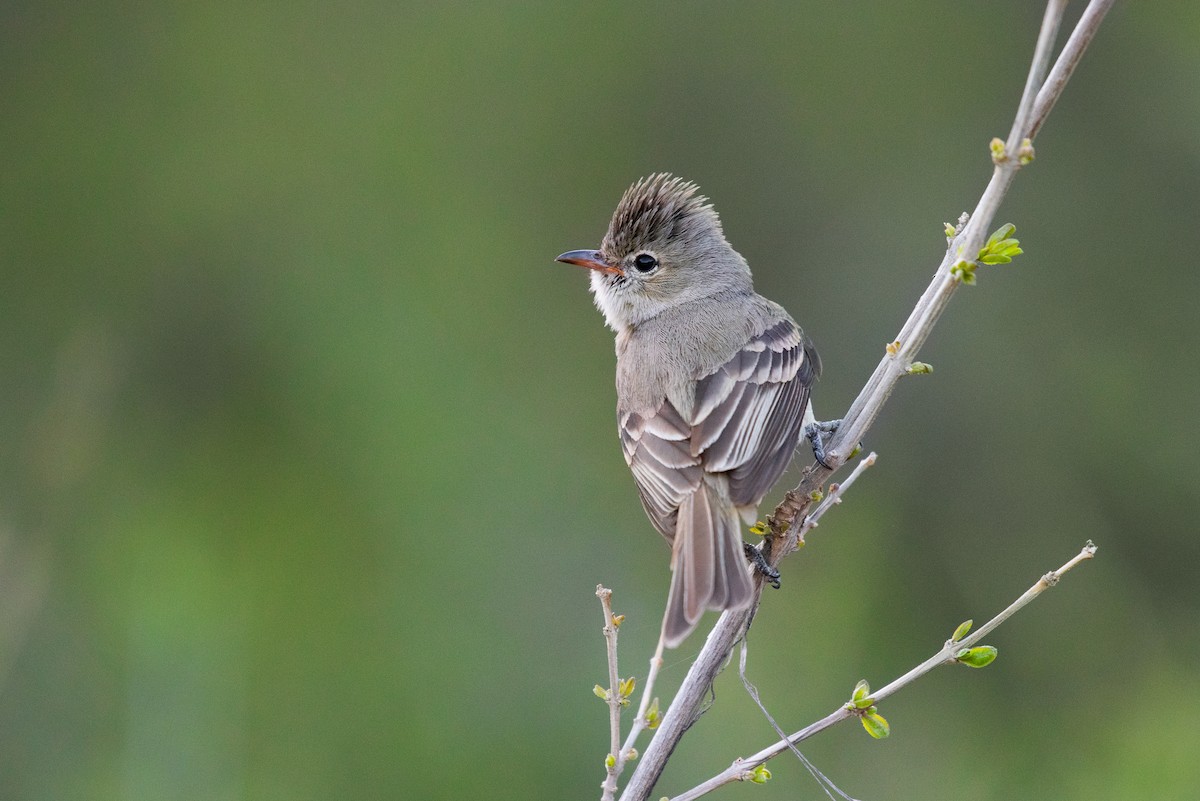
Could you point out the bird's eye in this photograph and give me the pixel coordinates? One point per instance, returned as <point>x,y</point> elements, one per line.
<point>644,262</point>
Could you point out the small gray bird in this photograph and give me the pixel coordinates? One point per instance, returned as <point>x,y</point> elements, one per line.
<point>713,385</point>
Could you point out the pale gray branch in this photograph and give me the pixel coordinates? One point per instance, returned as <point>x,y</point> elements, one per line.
<point>832,498</point>
<point>1068,59</point>
<point>640,722</point>
<point>609,786</point>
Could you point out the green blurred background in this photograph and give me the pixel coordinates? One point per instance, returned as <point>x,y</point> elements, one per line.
<point>309,465</point>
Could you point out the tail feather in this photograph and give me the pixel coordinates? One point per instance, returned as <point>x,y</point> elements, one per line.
<point>710,571</point>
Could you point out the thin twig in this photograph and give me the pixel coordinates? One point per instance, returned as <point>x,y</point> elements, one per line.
<point>866,408</point>
<point>609,786</point>
<point>1042,53</point>
<point>947,654</point>
<point>742,768</point>
<point>831,499</point>
<point>1068,59</point>
<point>640,723</point>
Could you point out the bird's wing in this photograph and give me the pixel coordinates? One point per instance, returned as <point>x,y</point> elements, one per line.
<point>748,413</point>
<point>745,422</point>
<point>657,450</point>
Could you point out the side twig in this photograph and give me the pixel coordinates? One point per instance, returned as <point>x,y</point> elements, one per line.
<point>645,717</point>
<point>895,364</point>
<point>742,769</point>
<point>831,499</point>
<point>609,786</point>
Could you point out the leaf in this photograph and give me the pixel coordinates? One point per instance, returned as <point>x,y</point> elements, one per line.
<point>1001,233</point>
<point>861,699</point>
<point>963,630</point>
<point>653,716</point>
<point>979,656</point>
<point>876,725</point>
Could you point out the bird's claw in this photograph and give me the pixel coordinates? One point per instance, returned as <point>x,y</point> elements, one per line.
<point>770,574</point>
<point>815,433</point>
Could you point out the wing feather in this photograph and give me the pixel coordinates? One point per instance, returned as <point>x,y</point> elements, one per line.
<point>752,432</point>
<point>745,422</point>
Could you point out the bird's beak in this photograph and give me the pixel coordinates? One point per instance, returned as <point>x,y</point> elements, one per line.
<point>592,259</point>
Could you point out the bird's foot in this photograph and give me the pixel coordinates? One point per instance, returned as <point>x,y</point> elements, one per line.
<point>816,433</point>
<point>760,564</point>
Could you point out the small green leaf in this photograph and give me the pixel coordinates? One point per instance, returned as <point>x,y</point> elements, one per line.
<point>977,657</point>
<point>1000,247</point>
<point>625,687</point>
<point>610,761</point>
<point>760,775</point>
<point>950,230</point>
<point>600,692</point>
<point>653,716</point>
<point>1001,233</point>
<point>919,368</point>
<point>963,629</point>
<point>617,620</point>
<point>861,697</point>
<point>876,725</point>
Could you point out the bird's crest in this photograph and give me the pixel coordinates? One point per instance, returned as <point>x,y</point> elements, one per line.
<point>658,208</point>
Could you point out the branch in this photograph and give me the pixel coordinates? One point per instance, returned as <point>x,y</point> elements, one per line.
<point>833,498</point>
<point>1032,111</point>
<point>612,696</point>
<point>1081,37</point>
<point>741,769</point>
<point>646,717</point>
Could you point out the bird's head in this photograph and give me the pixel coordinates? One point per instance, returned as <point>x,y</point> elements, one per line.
<point>664,247</point>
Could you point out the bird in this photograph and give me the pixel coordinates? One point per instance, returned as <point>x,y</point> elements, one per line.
<point>713,386</point>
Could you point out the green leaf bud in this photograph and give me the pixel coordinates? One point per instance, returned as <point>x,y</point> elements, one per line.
<point>977,657</point>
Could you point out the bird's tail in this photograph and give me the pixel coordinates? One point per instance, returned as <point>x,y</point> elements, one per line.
<point>709,568</point>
